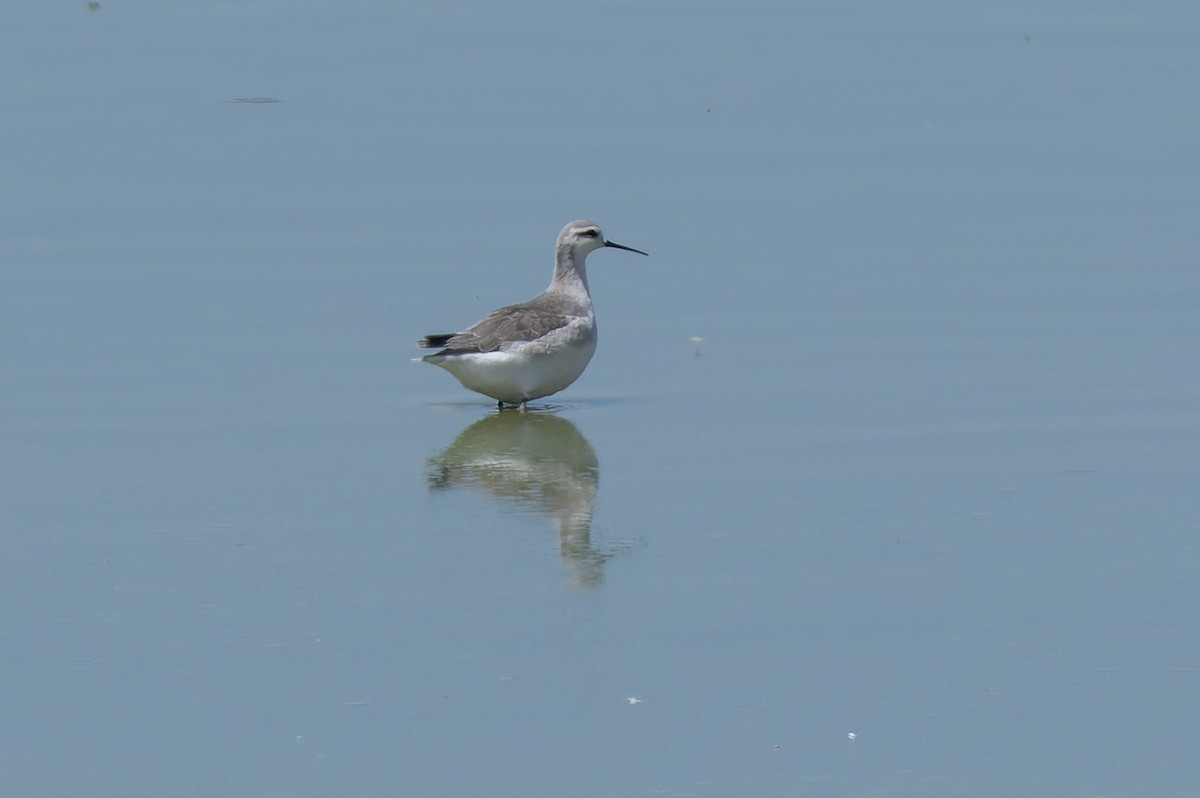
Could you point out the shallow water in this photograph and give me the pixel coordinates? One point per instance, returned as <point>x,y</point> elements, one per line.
<point>881,482</point>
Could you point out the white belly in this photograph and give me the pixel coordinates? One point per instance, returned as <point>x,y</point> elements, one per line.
<point>519,376</point>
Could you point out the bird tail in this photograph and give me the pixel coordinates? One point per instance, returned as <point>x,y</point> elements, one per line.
<point>435,340</point>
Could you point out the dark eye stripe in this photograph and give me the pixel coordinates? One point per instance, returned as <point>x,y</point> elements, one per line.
<point>589,233</point>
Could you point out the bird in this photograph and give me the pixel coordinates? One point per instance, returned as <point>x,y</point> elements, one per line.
<point>528,351</point>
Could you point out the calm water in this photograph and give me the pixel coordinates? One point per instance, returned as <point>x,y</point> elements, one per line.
<point>882,481</point>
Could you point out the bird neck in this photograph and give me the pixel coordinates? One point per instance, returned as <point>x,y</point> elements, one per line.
<point>570,274</point>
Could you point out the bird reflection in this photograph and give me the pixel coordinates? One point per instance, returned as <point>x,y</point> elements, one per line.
<point>543,464</point>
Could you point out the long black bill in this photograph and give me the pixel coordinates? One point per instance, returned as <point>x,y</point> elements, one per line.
<point>627,249</point>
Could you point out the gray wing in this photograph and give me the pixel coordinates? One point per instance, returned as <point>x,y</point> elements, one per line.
<point>512,324</point>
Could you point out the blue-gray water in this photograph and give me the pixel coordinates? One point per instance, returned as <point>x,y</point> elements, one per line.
<point>882,482</point>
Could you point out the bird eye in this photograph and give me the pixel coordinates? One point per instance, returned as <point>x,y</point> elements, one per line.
<point>589,233</point>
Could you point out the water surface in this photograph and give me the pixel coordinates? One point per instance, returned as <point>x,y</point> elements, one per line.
<point>881,482</point>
